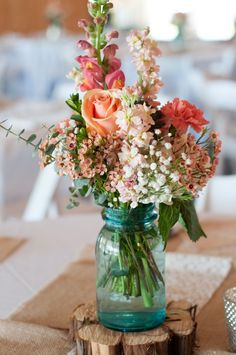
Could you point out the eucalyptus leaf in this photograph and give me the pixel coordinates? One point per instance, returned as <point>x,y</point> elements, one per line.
<point>31,138</point>
<point>85,191</point>
<point>9,131</point>
<point>21,132</point>
<point>80,183</point>
<point>50,149</point>
<point>191,222</point>
<point>100,198</point>
<point>38,145</point>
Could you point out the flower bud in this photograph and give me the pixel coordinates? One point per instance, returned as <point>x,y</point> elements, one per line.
<point>83,24</point>
<point>99,20</point>
<point>112,35</point>
<point>108,7</point>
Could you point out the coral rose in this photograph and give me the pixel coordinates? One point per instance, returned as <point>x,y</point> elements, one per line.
<point>99,110</point>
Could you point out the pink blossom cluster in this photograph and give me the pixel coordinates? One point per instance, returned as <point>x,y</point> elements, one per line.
<point>144,51</point>
<point>94,156</point>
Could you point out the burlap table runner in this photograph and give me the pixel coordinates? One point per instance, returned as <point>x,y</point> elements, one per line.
<point>17,338</point>
<point>221,241</point>
<point>8,246</point>
<point>55,303</point>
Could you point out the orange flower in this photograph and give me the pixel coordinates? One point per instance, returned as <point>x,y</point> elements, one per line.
<point>182,115</point>
<point>99,109</point>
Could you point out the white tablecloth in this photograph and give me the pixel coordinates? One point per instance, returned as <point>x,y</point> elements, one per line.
<point>51,245</point>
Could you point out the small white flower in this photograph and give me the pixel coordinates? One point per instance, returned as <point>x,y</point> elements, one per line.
<point>140,173</point>
<point>144,135</point>
<point>134,152</point>
<point>134,204</point>
<point>137,120</point>
<point>169,134</point>
<point>168,146</point>
<point>158,154</point>
<point>188,162</point>
<point>158,132</point>
<point>184,156</point>
<point>153,166</point>
<point>155,185</point>
<point>128,171</point>
<point>72,123</point>
<point>174,177</point>
<point>161,179</point>
<point>167,199</point>
<point>166,162</point>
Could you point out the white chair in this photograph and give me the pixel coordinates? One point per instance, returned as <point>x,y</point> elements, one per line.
<point>31,115</point>
<point>220,101</point>
<point>219,197</point>
<point>40,203</point>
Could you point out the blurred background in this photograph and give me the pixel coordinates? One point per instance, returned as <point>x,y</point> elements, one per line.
<point>37,49</point>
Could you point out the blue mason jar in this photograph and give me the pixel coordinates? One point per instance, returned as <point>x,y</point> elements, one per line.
<point>130,260</point>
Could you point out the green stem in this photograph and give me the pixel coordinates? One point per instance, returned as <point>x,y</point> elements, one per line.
<point>8,130</point>
<point>17,135</point>
<point>98,44</point>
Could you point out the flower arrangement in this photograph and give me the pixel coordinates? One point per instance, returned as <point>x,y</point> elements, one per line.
<point>126,149</point>
<point>120,144</point>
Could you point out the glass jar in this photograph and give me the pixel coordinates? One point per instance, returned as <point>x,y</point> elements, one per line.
<point>130,260</point>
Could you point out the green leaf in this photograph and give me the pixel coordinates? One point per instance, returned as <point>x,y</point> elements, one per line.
<point>191,222</point>
<point>100,198</point>
<point>211,150</point>
<point>38,145</point>
<point>55,135</point>
<point>85,191</point>
<point>80,183</point>
<point>51,127</point>
<point>74,103</point>
<point>8,131</point>
<point>21,132</point>
<point>78,118</point>
<point>168,217</point>
<point>50,149</point>
<point>31,138</point>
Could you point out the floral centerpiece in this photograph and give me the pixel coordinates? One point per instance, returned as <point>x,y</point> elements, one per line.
<point>139,159</point>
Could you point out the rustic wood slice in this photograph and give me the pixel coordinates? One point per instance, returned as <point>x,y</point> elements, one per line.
<point>95,339</point>
<point>82,315</point>
<point>175,337</point>
<point>182,325</point>
<point>153,342</point>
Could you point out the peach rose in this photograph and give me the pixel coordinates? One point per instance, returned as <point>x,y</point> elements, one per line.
<point>99,109</point>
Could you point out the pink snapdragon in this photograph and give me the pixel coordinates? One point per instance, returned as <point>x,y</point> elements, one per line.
<point>115,80</point>
<point>91,73</point>
<point>88,47</point>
